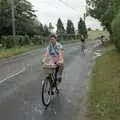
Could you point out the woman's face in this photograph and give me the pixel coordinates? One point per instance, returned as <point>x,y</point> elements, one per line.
<point>53,40</point>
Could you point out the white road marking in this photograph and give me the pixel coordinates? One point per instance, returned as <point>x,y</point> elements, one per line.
<point>12,75</point>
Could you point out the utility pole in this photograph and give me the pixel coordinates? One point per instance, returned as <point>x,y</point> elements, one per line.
<point>13,18</point>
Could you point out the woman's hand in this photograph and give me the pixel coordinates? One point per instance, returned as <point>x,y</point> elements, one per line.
<point>61,62</point>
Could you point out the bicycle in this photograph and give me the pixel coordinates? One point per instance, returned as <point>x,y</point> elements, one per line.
<point>51,82</point>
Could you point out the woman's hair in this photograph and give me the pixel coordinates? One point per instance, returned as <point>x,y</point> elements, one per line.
<point>53,35</point>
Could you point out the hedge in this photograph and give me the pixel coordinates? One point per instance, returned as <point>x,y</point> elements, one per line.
<point>116,31</point>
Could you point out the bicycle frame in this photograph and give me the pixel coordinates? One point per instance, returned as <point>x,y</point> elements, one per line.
<point>51,78</point>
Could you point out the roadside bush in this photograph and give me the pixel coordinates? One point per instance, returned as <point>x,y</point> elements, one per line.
<point>7,41</point>
<point>19,40</point>
<point>27,40</point>
<point>116,31</point>
<point>36,40</point>
<point>22,40</point>
<point>66,37</point>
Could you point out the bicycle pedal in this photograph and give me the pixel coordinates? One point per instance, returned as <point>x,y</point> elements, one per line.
<point>48,92</point>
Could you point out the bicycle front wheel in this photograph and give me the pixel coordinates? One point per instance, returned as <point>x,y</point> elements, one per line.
<point>46,93</point>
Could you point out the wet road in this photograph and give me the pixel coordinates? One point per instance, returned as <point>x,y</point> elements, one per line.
<point>20,87</point>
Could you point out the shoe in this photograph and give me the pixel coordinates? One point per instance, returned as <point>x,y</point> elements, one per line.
<point>59,79</point>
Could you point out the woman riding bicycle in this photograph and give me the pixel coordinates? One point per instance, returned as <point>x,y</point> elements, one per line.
<point>55,53</point>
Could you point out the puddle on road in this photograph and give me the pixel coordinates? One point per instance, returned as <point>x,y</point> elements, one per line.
<point>98,54</point>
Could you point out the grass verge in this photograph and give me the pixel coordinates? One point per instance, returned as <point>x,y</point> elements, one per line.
<point>104,96</point>
<point>92,35</point>
<point>5,53</point>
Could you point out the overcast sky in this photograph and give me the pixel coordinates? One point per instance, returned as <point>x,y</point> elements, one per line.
<point>50,10</point>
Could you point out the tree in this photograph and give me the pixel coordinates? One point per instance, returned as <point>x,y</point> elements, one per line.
<point>70,27</point>
<point>51,27</point>
<point>41,29</point>
<point>5,18</point>
<point>46,31</point>
<point>60,27</point>
<point>24,17</point>
<point>107,12</point>
<point>82,30</point>
<point>104,10</point>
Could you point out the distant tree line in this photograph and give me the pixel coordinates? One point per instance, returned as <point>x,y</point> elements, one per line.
<point>108,13</point>
<point>28,29</point>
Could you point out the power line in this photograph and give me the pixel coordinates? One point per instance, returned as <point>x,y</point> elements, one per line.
<point>57,6</point>
<point>68,5</point>
<point>49,3</point>
<point>64,3</point>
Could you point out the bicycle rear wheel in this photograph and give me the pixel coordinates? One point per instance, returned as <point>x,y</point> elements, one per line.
<point>46,93</point>
<point>83,49</point>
